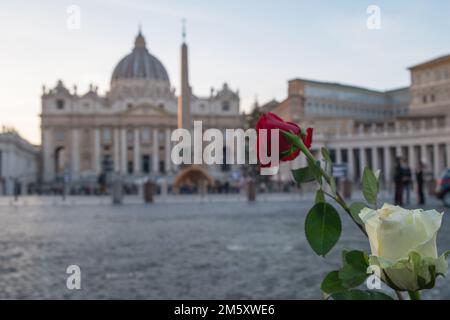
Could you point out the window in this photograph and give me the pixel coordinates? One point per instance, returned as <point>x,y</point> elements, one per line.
<point>432,98</point>
<point>424,99</point>
<point>59,104</point>
<point>225,106</point>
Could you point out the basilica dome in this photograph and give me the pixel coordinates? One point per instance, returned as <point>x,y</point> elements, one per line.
<point>140,64</point>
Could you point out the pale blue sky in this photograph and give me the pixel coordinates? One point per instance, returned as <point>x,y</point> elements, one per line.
<point>255,46</point>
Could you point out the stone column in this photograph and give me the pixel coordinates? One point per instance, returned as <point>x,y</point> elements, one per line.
<point>123,151</point>
<point>362,161</point>
<point>137,152</point>
<point>116,150</point>
<point>168,151</point>
<point>49,156</point>
<point>338,152</point>
<point>436,169</point>
<point>96,158</point>
<point>350,165</point>
<point>375,162</point>
<point>75,156</point>
<point>398,151</point>
<point>155,152</point>
<point>412,157</point>
<point>387,164</point>
<point>424,155</point>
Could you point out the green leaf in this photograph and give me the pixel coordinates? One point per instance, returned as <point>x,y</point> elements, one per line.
<point>320,196</point>
<point>360,295</point>
<point>354,271</point>
<point>358,259</point>
<point>332,283</point>
<point>370,186</point>
<point>322,228</point>
<point>355,210</point>
<point>303,175</point>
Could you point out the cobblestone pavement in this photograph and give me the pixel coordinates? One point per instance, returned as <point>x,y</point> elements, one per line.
<point>170,250</point>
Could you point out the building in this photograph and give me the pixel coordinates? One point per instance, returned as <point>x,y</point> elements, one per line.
<point>18,163</point>
<point>128,130</point>
<point>364,127</point>
<point>430,87</point>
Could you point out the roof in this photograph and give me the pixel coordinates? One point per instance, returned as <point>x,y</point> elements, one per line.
<point>346,86</point>
<point>431,63</point>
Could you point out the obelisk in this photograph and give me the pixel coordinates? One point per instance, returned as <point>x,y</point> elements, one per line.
<point>184,99</point>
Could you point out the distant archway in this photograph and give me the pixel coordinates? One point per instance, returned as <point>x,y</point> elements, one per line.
<point>60,160</point>
<point>192,177</point>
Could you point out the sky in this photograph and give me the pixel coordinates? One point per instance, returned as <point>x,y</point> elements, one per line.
<point>255,46</point>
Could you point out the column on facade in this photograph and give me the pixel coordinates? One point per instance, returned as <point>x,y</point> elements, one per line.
<point>436,160</point>
<point>116,150</point>
<point>136,152</point>
<point>155,152</point>
<point>387,164</point>
<point>375,162</point>
<point>398,151</point>
<point>96,154</point>
<point>412,157</point>
<point>350,164</point>
<point>49,159</point>
<point>123,151</point>
<point>75,153</point>
<point>424,155</point>
<point>338,153</point>
<point>168,151</point>
<point>362,160</point>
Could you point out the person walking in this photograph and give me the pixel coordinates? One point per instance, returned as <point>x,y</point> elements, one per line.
<point>398,182</point>
<point>407,181</point>
<point>420,178</point>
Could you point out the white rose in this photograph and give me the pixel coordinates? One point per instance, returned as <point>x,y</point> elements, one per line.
<point>403,245</point>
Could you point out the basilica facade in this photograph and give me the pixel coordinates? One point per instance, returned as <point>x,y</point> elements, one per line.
<point>127,131</point>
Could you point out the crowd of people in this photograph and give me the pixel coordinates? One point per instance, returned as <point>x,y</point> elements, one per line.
<point>403,180</point>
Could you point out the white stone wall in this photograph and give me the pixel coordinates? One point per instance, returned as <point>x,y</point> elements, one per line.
<point>18,163</point>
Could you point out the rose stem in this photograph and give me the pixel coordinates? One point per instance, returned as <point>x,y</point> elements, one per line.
<point>414,295</point>
<point>298,143</point>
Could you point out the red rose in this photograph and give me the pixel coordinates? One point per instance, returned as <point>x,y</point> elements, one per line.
<point>271,121</point>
